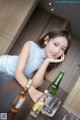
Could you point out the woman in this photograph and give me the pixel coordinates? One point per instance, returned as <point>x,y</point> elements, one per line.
<point>35,60</point>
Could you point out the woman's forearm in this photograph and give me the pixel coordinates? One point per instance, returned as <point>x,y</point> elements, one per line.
<point>21,79</point>
<point>39,76</point>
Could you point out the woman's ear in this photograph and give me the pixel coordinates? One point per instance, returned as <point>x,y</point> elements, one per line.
<point>46,39</point>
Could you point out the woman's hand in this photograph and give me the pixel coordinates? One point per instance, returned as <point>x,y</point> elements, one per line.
<point>34,93</point>
<point>50,60</point>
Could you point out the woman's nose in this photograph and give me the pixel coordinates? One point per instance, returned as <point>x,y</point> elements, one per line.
<point>57,49</point>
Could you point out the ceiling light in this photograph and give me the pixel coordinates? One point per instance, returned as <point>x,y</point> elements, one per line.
<point>52,9</point>
<point>49,3</point>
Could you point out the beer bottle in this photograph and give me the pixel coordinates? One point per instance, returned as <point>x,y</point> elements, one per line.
<point>54,86</point>
<point>20,98</point>
<point>37,107</point>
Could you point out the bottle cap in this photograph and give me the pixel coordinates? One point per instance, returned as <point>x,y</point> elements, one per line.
<point>27,86</point>
<point>46,91</point>
<point>29,83</point>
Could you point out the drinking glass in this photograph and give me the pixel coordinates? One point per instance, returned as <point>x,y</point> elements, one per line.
<point>70,116</point>
<point>51,106</point>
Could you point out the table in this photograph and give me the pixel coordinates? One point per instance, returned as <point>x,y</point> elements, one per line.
<point>9,89</point>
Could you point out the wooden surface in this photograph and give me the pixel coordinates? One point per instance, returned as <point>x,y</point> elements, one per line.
<point>73,100</point>
<point>13,16</point>
<point>9,89</point>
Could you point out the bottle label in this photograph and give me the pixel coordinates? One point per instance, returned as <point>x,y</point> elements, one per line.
<point>53,86</point>
<point>58,79</point>
<point>38,106</point>
<point>20,102</point>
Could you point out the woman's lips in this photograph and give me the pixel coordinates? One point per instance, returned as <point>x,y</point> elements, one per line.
<point>53,55</point>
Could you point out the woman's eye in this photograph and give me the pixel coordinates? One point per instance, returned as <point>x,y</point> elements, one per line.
<point>55,44</point>
<point>63,49</point>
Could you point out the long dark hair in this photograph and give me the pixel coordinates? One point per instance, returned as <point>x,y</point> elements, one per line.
<point>56,32</point>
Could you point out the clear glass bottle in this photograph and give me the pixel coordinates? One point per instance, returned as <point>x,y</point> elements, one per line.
<point>37,107</point>
<point>54,86</point>
<point>20,98</point>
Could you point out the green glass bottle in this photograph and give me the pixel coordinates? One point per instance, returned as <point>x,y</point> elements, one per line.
<point>54,86</point>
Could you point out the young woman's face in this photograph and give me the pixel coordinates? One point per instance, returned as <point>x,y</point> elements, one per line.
<point>56,47</point>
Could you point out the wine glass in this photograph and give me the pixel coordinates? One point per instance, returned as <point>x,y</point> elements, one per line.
<point>70,116</point>
<point>51,106</point>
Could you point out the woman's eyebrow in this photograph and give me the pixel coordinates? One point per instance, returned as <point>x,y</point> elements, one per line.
<point>56,41</point>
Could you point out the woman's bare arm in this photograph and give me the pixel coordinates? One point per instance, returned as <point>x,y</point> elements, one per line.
<point>19,75</point>
<point>38,78</point>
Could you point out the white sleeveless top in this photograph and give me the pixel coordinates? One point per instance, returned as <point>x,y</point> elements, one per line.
<point>8,63</point>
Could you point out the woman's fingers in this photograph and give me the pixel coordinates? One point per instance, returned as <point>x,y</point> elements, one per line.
<point>34,94</point>
<point>63,57</point>
<point>50,60</point>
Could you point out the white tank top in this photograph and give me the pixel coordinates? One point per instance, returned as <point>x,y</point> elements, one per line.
<point>36,58</point>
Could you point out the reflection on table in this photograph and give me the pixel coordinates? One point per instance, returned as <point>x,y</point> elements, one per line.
<point>9,89</point>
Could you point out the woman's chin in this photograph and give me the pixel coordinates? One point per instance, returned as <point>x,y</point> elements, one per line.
<point>53,57</point>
